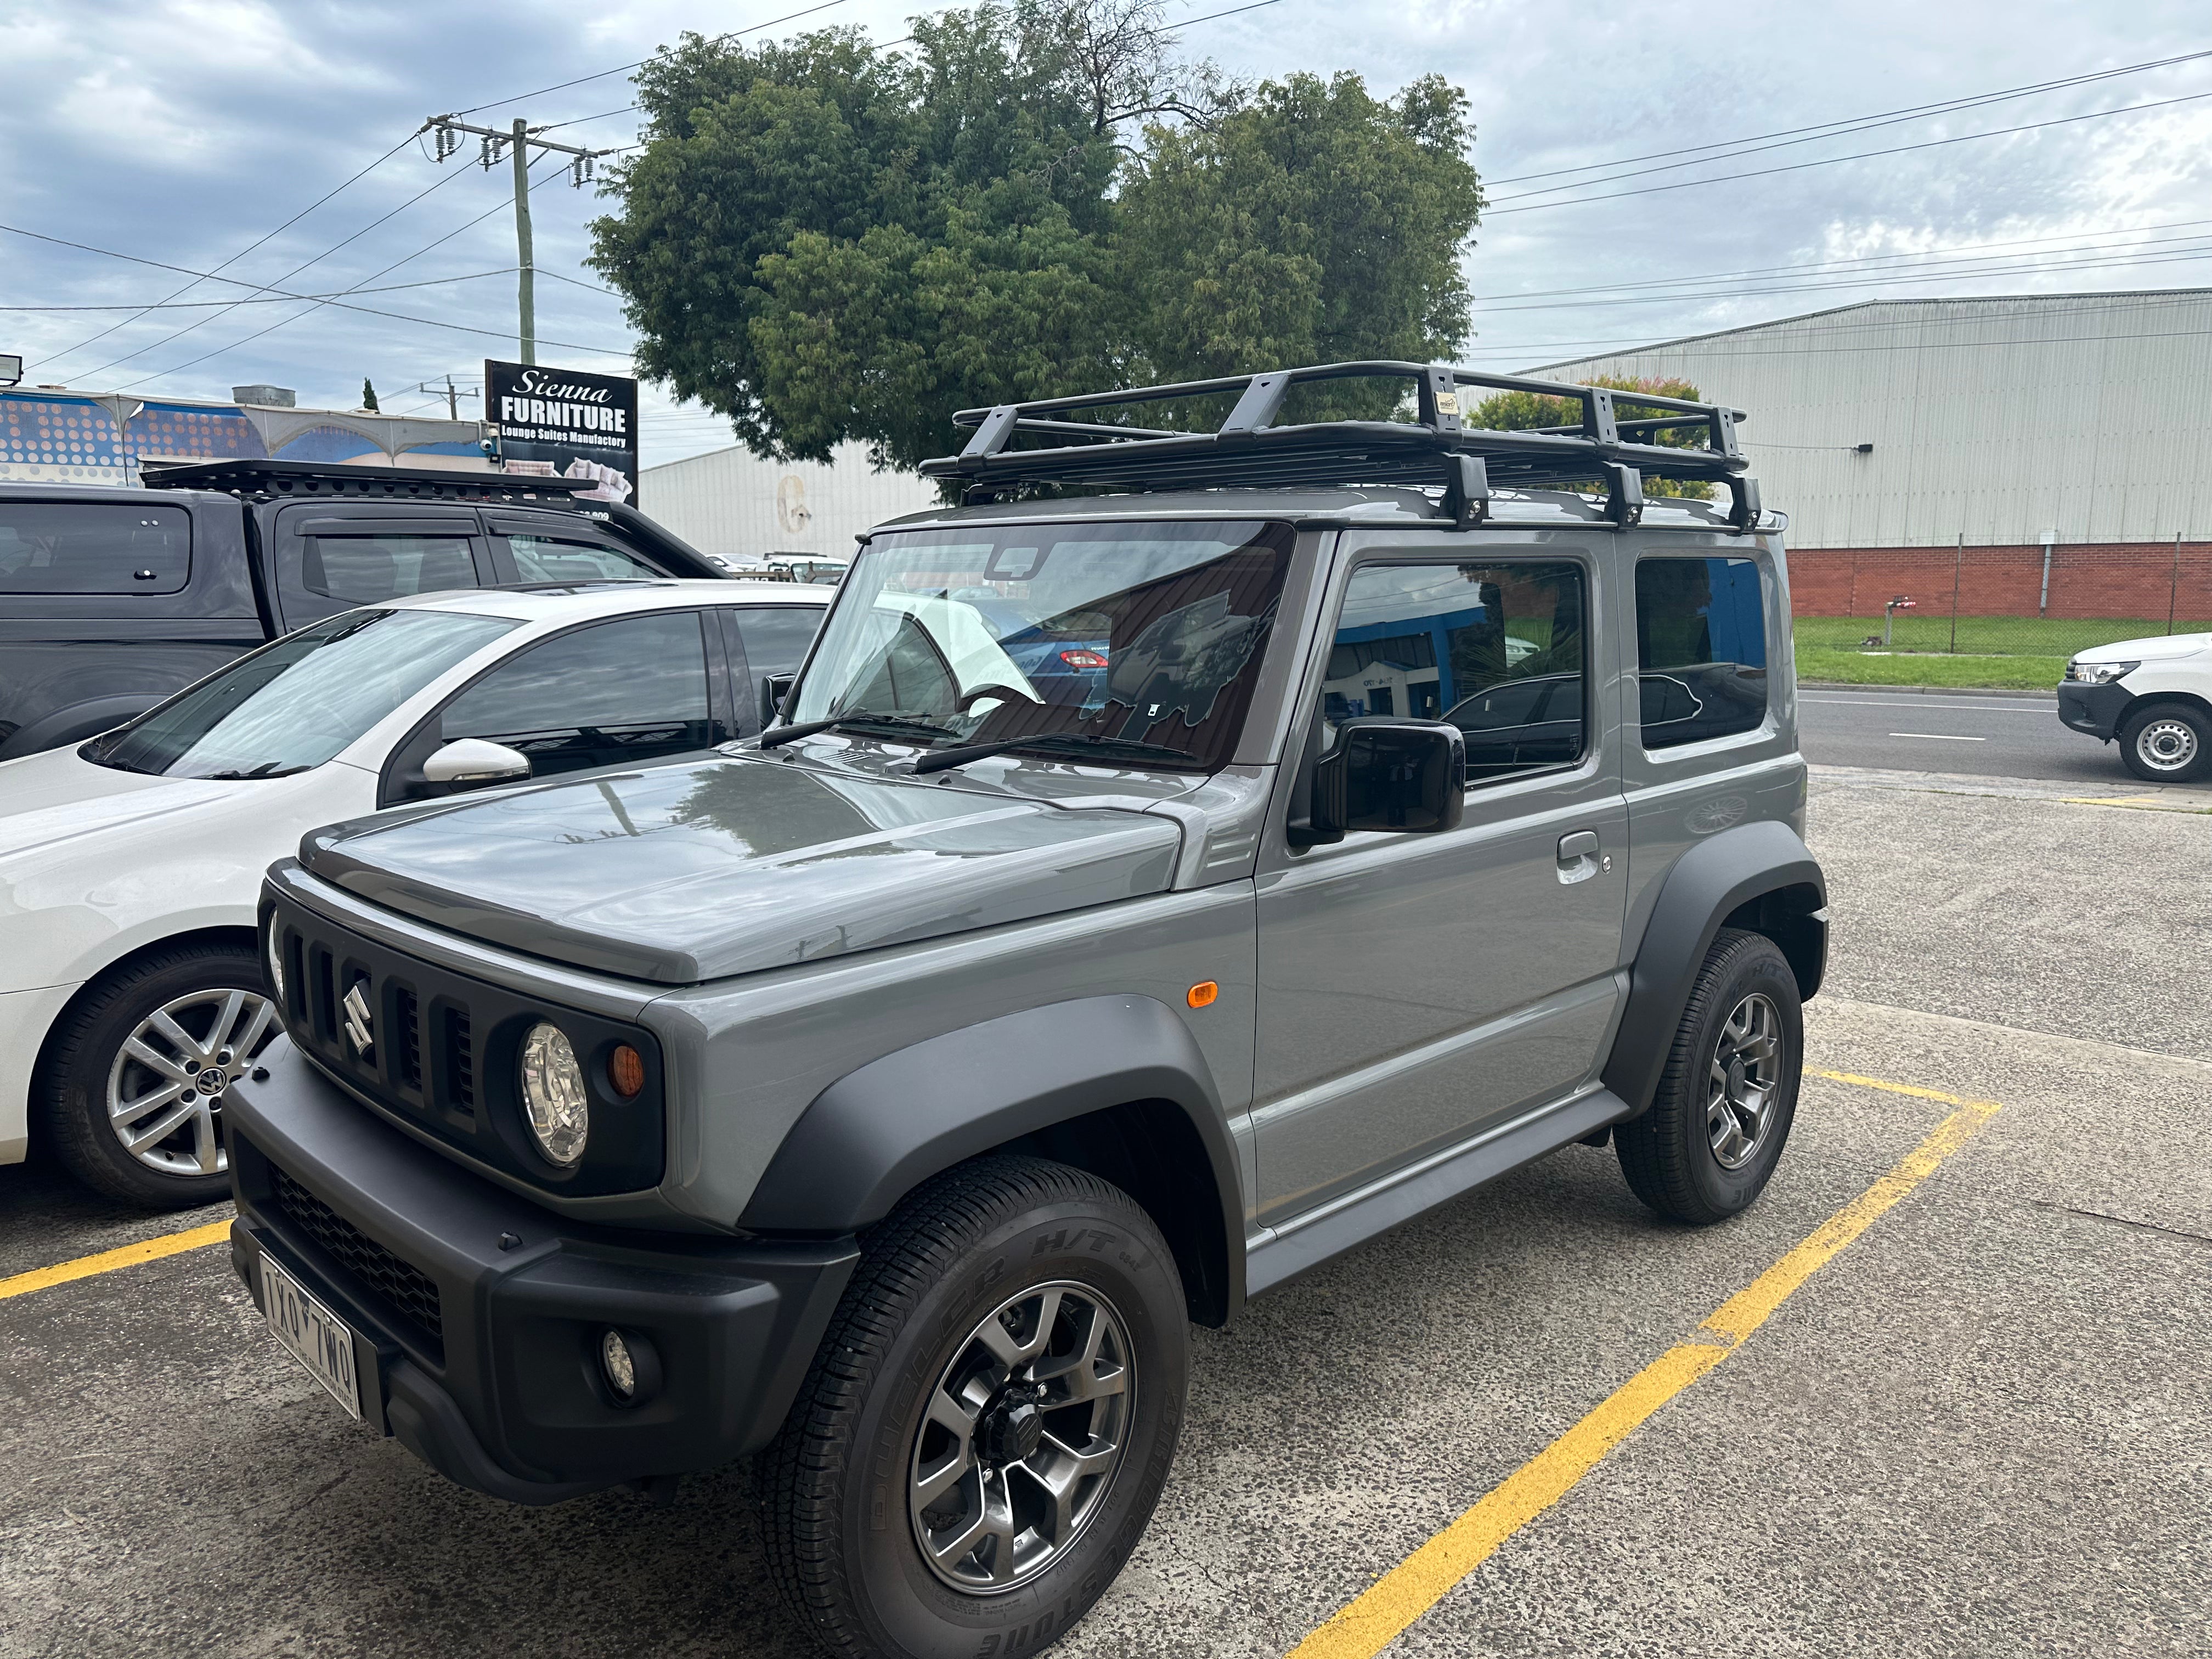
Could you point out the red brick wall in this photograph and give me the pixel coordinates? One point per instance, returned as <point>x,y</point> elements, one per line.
<point>2130,578</point>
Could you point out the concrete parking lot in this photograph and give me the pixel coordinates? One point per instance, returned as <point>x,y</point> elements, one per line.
<point>1980,1427</point>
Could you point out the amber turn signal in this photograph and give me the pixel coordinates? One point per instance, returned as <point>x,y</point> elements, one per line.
<point>626,1071</point>
<point>1201,995</point>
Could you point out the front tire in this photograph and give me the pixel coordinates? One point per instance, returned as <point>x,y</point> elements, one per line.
<point>1721,1114</point>
<point>2166,743</point>
<point>130,1088</point>
<point>989,1420</point>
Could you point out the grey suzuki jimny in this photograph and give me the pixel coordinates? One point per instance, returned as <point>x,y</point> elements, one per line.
<point>1211,844</point>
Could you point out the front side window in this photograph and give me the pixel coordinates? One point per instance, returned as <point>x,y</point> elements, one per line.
<point>85,547</point>
<point>370,569</point>
<point>1701,649</point>
<point>547,559</point>
<point>609,694</point>
<point>1496,650</point>
<point>1132,644</point>
<point>297,701</point>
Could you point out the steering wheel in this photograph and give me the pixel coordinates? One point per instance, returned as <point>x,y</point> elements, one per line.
<point>967,699</point>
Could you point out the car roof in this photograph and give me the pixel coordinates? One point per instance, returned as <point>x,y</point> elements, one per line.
<point>1379,507</point>
<point>581,601</point>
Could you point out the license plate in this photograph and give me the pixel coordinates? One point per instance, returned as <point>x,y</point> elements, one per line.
<point>311,1334</point>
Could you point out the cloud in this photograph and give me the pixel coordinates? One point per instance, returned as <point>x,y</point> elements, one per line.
<point>181,132</point>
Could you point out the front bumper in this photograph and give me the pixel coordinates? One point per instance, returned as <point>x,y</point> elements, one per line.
<point>482,1361</point>
<point>2096,709</point>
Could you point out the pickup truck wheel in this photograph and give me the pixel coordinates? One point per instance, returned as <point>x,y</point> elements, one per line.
<point>989,1420</point>
<point>131,1087</point>
<point>2166,743</point>
<point>1716,1126</point>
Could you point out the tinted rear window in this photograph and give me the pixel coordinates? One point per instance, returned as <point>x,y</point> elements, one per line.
<point>93,547</point>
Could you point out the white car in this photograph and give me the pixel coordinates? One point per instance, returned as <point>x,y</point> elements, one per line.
<point>130,992</point>
<point>2154,696</point>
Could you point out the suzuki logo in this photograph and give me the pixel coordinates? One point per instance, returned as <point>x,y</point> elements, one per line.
<point>358,1029</point>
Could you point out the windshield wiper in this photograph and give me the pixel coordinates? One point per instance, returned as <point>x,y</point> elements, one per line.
<point>266,769</point>
<point>938,759</point>
<point>892,718</point>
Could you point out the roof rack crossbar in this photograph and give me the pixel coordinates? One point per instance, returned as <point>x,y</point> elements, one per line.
<point>1248,449</point>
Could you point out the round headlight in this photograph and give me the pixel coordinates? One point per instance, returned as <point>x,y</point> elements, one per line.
<point>276,965</point>
<point>553,1092</point>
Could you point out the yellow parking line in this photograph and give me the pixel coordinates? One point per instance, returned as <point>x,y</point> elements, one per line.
<point>1370,1622</point>
<point>127,1255</point>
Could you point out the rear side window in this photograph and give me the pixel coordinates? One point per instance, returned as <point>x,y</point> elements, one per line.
<point>1496,650</point>
<point>94,547</point>
<point>776,635</point>
<point>1701,649</point>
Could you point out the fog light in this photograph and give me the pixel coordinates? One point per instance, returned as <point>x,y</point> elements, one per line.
<point>620,1366</point>
<point>553,1090</point>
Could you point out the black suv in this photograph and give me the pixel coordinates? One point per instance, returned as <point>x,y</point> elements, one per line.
<point>113,599</point>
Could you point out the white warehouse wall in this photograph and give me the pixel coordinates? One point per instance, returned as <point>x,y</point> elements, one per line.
<point>2087,414</point>
<point>730,502</point>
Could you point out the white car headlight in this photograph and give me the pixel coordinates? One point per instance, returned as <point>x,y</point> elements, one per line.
<point>2098,674</point>
<point>553,1092</point>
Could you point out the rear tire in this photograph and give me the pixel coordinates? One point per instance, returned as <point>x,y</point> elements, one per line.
<point>2167,742</point>
<point>908,1436</point>
<point>1721,1114</point>
<point>191,1012</point>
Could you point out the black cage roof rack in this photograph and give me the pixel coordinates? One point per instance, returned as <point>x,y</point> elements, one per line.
<point>1436,449</point>
<point>335,481</point>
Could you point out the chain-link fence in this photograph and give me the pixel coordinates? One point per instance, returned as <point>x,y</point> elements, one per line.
<point>2045,602</point>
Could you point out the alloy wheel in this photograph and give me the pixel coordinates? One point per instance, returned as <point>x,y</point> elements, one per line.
<point>2166,745</point>
<point>1024,1432</point>
<point>165,1085</point>
<point>1742,1080</point>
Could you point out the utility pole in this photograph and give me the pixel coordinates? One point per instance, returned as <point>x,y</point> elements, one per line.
<point>451,394</point>
<point>518,141</point>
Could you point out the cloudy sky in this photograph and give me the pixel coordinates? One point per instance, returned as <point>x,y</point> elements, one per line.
<point>1882,149</point>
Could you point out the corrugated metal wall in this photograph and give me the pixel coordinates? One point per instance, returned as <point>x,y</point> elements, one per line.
<point>730,502</point>
<point>2087,414</point>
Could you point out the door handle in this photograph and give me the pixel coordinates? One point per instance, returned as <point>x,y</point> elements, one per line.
<point>1582,844</point>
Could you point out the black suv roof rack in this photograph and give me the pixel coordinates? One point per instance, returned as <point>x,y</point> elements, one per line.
<point>1248,450</point>
<point>334,480</point>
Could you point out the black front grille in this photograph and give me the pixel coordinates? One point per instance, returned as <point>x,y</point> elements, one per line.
<point>461,1056</point>
<point>409,1009</point>
<point>405,1287</point>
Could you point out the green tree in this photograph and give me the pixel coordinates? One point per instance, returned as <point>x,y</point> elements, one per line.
<point>1520,411</point>
<point>368,395</point>
<point>824,241</point>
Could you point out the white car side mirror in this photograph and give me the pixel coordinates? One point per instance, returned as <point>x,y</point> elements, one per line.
<point>468,761</point>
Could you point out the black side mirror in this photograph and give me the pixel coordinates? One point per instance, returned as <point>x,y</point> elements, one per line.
<point>1405,776</point>
<point>774,689</point>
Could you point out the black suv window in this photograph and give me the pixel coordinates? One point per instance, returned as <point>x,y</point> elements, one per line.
<point>1701,649</point>
<point>553,559</point>
<point>776,635</point>
<point>1496,649</point>
<point>92,547</point>
<point>607,695</point>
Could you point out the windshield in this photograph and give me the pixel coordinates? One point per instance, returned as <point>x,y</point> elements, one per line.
<point>295,702</point>
<point>1129,642</point>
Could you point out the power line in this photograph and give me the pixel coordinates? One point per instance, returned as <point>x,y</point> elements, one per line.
<point>1964,248</point>
<point>70,350</point>
<point>625,68</point>
<point>273,298</point>
<point>1858,156</point>
<point>1848,124</point>
<point>202,322</point>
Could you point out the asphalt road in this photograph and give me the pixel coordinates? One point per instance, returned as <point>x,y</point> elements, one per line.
<point>1980,1430</point>
<point>1988,736</point>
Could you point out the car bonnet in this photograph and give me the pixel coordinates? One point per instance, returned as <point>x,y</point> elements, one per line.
<point>700,871</point>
